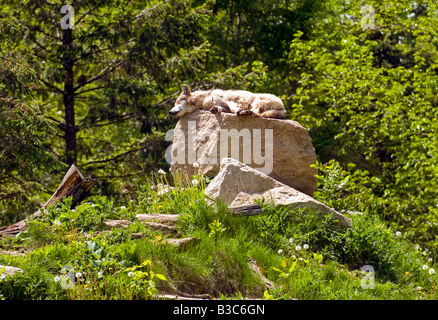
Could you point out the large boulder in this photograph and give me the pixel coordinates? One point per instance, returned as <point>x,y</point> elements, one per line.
<point>281,149</point>
<point>237,184</point>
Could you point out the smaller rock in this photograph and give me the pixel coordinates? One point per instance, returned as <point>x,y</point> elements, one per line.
<point>237,184</point>
<point>116,224</point>
<point>180,243</point>
<point>8,271</point>
<point>138,235</point>
<point>155,226</point>
<point>162,218</point>
<point>13,253</point>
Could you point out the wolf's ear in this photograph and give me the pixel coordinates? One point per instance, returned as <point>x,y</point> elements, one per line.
<point>186,90</point>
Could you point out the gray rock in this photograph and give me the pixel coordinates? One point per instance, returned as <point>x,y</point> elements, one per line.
<point>116,224</point>
<point>8,271</point>
<point>238,184</point>
<point>282,149</point>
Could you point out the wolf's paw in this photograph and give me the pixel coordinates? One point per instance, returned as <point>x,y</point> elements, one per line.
<point>214,110</point>
<point>244,113</point>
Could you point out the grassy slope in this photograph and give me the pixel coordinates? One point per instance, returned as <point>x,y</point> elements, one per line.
<point>113,265</point>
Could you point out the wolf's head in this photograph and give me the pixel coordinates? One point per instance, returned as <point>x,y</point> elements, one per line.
<point>183,104</point>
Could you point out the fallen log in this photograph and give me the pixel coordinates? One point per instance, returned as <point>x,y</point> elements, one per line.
<point>73,184</point>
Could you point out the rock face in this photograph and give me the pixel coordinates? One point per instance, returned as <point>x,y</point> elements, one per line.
<point>281,149</point>
<point>238,184</point>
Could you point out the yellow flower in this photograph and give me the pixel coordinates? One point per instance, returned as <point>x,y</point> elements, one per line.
<point>407,273</point>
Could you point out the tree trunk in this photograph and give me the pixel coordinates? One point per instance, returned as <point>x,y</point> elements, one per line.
<point>70,129</point>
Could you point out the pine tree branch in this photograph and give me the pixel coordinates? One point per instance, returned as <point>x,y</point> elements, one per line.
<point>110,68</point>
<point>145,11</point>
<point>51,86</point>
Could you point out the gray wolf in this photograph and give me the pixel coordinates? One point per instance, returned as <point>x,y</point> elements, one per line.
<point>239,102</point>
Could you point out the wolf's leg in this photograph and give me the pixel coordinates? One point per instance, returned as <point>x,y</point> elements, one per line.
<point>245,113</point>
<point>220,106</point>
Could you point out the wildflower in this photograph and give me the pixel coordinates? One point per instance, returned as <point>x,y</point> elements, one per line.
<point>407,273</point>
<point>300,259</point>
<point>78,275</point>
<point>298,248</point>
<point>195,182</point>
<point>429,260</point>
<point>416,247</point>
<point>291,240</point>
<point>195,165</point>
<point>425,267</point>
<point>418,288</point>
<point>306,246</point>
<point>122,208</point>
<point>294,256</point>
<point>280,251</point>
<point>161,171</point>
<point>398,233</point>
<point>56,279</point>
<point>130,274</point>
<point>431,271</point>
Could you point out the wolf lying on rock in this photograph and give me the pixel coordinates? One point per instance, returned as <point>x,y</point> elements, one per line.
<point>240,102</point>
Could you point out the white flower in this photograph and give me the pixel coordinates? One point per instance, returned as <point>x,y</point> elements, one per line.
<point>298,248</point>
<point>195,182</point>
<point>78,275</point>
<point>398,233</point>
<point>130,274</point>
<point>431,271</point>
<point>195,165</point>
<point>416,247</point>
<point>425,267</point>
<point>424,253</point>
<point>306,246</point>
<point>280,251</point>
<point>161,171</point>
<point>56,279</point>
<point>291,240</point>
<point>163,191</point>
<point>418,288</point>
<point>294,256</point>
<point>300,259</point>
<point>122,208</point>
<point>429,260</point>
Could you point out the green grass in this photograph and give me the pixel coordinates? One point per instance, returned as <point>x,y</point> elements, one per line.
<point>304,257</point>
